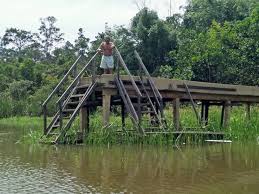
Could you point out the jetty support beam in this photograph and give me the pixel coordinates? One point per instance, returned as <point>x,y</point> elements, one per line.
<point>226,113</point>
<point>106,105</point>
<point>176,113</point>
<point>248,111</point>
<point>84,120</point>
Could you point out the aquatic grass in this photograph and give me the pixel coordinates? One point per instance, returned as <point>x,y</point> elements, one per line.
<point>31,137</point>
<point>29,127</point>
<point>240,129</point>
<point>24,122</point>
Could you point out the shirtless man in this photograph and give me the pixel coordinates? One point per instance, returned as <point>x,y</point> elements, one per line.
<point>106,48</point>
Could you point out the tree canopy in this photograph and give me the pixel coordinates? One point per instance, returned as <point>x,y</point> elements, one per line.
<point>213,40</point>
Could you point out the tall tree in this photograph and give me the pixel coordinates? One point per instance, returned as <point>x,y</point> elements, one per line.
<point>82,43</point>
<point>199,14</point>
<point>155,38</point>
<point>17,39</point>
<point>50,35</point>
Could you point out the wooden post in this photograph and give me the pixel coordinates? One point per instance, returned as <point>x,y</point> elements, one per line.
<point>45,119</point>
<point>206,116</point>
<point>222,115</point>
<point>176,113</point>
<point>84,121</point>
<point>248,111</point>
<point>226,116</point>
<point>106,107</point>
<point>122,115</point>
<point>202,112</point>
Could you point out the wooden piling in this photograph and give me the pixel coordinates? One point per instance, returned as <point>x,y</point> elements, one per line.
<point>84,120</point>
<point>248,111</point>
<point>226,116</point>
<point>176,113</point>
<point>106,107</point>
<point>122,115</point>
<point>202,112</point>
<point>206,113</point>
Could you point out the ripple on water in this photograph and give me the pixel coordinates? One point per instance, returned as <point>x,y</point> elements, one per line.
<point>24,179</point>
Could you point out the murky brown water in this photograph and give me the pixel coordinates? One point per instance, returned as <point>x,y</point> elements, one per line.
<point>228,168</point>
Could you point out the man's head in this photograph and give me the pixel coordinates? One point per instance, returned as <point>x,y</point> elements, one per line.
<point>107,39</point>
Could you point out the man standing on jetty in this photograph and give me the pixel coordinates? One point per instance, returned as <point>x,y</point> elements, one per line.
<point>106,48</point>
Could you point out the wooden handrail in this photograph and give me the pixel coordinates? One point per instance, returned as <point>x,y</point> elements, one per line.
<point>128,72</point>
<point>61,82</point>
<point>193,104</point>
<point>76,79</point>
<point>141,64</point>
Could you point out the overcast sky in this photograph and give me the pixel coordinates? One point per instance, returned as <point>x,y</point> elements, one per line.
<point>91,15</point>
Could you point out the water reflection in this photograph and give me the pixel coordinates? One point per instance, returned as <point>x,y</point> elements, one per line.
<point>221,168</point>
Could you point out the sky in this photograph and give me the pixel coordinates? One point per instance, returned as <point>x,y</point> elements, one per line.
<point>91,15</point>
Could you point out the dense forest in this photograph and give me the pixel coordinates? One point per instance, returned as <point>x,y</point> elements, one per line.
<point>213,40</point>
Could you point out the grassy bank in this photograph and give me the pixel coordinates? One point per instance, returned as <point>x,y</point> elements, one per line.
<point>240,129</point>
<point>29,127</point>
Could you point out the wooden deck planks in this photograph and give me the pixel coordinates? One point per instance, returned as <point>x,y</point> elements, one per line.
<point>171,89</point>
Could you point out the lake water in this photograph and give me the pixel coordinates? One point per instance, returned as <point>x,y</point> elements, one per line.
<point>211,168</point>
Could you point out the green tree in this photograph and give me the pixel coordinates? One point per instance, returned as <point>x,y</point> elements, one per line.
<point>154,38</point>
<point>17,39</point>
<point>199,14</point>
<point>82,43</point>
<point>50,35</point>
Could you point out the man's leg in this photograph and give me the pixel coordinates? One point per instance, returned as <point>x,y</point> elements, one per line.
<point>106,71</point>
<point>110,71</point>
<point>104,65</point>
<point>110,64</point>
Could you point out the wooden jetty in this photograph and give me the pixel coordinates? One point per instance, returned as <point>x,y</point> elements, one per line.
<point>141,97</point>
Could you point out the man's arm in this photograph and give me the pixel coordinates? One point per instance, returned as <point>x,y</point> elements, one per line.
<point>100,49</point>
<point>112,45</point>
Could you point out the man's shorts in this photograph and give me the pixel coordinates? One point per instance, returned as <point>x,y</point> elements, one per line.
<point>107,62</point>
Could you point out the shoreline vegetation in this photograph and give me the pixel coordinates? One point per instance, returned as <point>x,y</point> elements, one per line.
<point>240,129</point>
<point>209,41</point>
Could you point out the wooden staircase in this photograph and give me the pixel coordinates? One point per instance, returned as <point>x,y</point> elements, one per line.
<point>69,103</point>
<point>61,123</point>
<point>146,108</point>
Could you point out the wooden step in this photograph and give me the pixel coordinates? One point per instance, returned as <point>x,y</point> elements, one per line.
<point>141,104</point>
<point>77,95</point>
<point>154,127</point>
<point>147,112</point>
<point>68,110</point>
<point>82,86</point>
<point>190,132</point>
<point>53,134</point>
<point>55,126</point>
<point>73,103</point>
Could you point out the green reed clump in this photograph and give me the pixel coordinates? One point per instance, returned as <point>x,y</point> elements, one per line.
<point>240,128</point>
<point>22,122</point>
<point>29,127</point>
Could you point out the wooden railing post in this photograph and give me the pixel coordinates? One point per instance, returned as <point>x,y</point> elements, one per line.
<point>45,119</point>
<point>75,81</point>
<point>128,72</point>
<point>60,115</point>
<point>93,70</point>
<point>226,117</point>
<point>176,113</point>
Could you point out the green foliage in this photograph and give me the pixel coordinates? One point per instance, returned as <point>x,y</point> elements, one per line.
<point>49,34</point>
<point>17,39</point>
<point>239,130</point>
<point>200,14</point>
<point>213,40</point>
<point>155,38</point>
<point>6,105</point>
